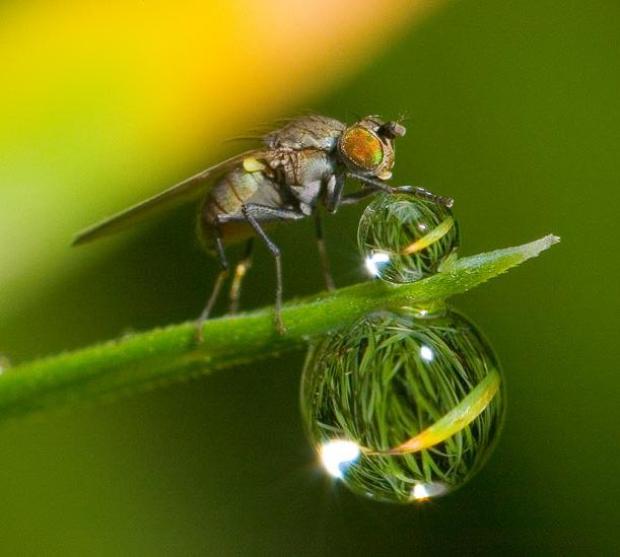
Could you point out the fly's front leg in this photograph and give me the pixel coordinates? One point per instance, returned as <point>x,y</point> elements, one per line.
<point>422,193</point>
<point>416,191</point>
<point>253,214</point>
<point>221,277</point>
<point>241,269</point>
<point>357,196</point>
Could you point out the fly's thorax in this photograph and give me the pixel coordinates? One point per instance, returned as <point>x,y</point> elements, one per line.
<point>303,174</point>
<point>311,131</point>
<point>367,147</point>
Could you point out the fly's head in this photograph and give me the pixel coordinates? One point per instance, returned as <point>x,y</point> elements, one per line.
<point>367,147</point>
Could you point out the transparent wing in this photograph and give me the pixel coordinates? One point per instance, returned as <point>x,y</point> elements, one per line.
<point>191,189</point>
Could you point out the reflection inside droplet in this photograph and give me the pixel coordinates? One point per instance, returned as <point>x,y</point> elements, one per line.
<point>376,260</point>
<point>338,454</point>
<point>422,491</point>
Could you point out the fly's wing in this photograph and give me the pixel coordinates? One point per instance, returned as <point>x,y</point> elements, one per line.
<point>190,189</point>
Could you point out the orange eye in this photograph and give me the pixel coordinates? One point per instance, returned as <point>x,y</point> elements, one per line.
<point>362,147</point>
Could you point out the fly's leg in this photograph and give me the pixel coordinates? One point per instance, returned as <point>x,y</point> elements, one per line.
<point>221,277</point>
<point>253,214</point>
<point>241,269</point>
<point>416,191</point>
<point>320,242</point>
<point>422,193</point>
<point>357,196</point>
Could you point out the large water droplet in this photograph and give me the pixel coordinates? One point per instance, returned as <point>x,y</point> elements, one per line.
<point>403,409</point>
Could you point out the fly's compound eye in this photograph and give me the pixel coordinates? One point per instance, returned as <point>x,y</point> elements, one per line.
<point>362,148</point>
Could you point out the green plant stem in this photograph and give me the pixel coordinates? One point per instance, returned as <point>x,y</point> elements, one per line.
<point>160,356</point>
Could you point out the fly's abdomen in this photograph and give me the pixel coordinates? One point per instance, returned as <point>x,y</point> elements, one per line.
<point>232,191</point>
<point>235,189</point>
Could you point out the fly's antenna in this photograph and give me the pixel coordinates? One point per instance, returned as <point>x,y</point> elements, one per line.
<point>404,117</point>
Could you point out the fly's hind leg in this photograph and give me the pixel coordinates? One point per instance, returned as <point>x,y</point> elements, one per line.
<point>241,269</point>
<point>221,277</point>
<point>253,214</point>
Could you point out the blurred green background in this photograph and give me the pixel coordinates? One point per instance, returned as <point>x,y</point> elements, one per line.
<point>513,109</point>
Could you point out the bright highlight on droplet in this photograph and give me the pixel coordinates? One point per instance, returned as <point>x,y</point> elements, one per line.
<point>338,454</point>
<point>427,490</point>
<point>426,353</point>
<point>373,261</point>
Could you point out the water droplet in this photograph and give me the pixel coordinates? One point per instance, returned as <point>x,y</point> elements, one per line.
<point>403,409</point>
<point>403,239</point>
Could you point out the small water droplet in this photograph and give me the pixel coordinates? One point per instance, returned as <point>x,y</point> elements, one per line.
<point>403,239</point>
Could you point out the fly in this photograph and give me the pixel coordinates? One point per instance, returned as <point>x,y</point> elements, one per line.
<point>300,166</point>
